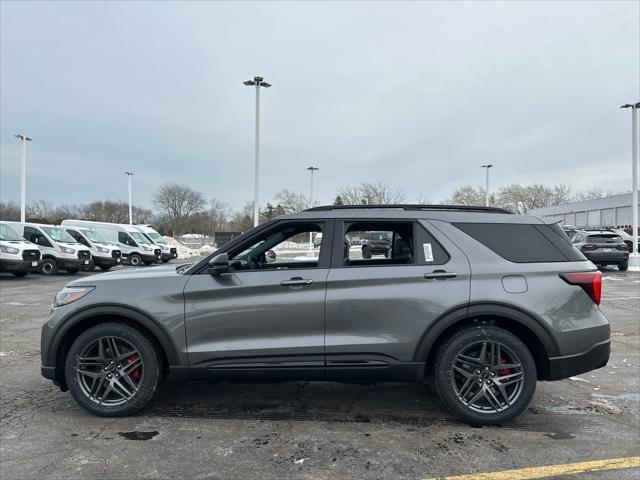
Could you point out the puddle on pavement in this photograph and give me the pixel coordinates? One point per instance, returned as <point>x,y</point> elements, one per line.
<point>138,435</point>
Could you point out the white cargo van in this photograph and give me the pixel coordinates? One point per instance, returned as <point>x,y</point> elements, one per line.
<point>58,249</point>
<point>168,252</point>
<point>17,256</point>
<point>135,247</point>
<point>103,254</point>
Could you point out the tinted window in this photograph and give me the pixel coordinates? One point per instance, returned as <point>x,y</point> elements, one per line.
<point>604,239</point>
<point>429,250</point>
<point>523,243</point>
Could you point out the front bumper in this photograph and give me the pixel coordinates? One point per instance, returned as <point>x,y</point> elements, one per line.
<point>71,263</point>
<point>166,256</point>
<point>106,261</point>
<point>19,266</point>
<point>567,366</point>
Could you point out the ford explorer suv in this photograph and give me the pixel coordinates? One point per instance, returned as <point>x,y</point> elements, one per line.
<point>17,256</point>
<point>603,248</point>
<point>481,302</point>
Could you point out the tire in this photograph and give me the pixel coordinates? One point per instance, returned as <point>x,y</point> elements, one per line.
<point>105,268</point>
<point>141,385</point>
<point>165,260</point>
<point>451,383</point>
<point>366,252</point>
<point>49,266</point>
<point>73,270</point>
<point>19,274</point>
<point>135,260</point>
<point>623,267</point>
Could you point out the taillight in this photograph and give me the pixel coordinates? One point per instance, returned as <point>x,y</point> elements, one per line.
<point>591,283</point>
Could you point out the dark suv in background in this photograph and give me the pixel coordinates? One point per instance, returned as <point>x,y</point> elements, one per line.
<point>602,247</point>
<point>481,302</point>
<point>375,243</point>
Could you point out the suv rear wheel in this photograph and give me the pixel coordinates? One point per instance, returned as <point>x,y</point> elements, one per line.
<point>112,370</point>
<point>485,374</point>
<point>623,267</point>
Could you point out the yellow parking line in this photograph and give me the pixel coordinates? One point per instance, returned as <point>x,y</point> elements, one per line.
<point>553,470</point>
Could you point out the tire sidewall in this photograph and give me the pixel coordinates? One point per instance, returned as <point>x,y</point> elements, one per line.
<point>137,258</point>
<point>150,378</point>
<point>443,372</point>
<point>53,266</point>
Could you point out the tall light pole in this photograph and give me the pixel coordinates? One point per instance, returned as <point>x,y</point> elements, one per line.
<point>257,82</point>
<point>486,184</point>
<point>312,169</point>
<point>23,178</point>
<point>129,175</point>
<point>634,257</point>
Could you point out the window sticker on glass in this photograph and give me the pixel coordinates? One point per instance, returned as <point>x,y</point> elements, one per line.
<point>428,252</point>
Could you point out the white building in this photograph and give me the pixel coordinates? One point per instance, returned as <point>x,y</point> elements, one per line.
<point>613,211</point>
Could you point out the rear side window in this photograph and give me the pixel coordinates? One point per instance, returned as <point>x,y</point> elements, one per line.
<point>523,243</point>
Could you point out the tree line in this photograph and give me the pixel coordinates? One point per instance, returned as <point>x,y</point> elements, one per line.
<point>180,209</point>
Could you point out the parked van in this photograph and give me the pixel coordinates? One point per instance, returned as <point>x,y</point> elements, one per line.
<point>17,256</point>
<point>135,247</point>
<point>103,254</point>
<point>58,249</point>
<point>168,252</point>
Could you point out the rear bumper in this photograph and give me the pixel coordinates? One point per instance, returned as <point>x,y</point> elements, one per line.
<point>608,259</point>
<point>19,266</point>
<point>567,366</point>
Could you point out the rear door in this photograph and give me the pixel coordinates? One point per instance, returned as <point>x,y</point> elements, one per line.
<point>378,309</point>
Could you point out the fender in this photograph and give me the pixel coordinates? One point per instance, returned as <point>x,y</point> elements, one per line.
<point>127,312</point>
<point>476,309</point>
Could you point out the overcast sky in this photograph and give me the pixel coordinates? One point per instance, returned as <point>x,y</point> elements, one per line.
<point>417,95</point>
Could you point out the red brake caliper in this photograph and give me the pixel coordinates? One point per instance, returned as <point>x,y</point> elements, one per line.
<point>504,371</point>
<point>137,372</point>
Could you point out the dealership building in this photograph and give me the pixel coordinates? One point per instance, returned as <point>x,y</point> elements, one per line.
<point>613,211</point>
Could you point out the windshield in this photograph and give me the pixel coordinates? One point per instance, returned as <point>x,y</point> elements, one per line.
<point>9,234</point>
<point>140,238</point>
<point>605,239</point>
<point>156,237</point>
<point>59,234</point>
<point>94,236</point>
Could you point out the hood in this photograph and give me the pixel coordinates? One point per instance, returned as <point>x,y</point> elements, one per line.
<point>130,274</point>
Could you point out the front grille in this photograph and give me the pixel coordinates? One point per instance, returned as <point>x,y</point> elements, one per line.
<point>173,250</point>
<point>116,254</point>
<point>84,255</point>
<point>157,252</point>
<point>31,255</point>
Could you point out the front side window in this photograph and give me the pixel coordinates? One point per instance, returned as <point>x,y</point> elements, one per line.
<point>289,246</point>
<point>36,236</point>
<point>95,237</point>
<point>140,238</point>
<point>8,234</point>
<point>123,237</point>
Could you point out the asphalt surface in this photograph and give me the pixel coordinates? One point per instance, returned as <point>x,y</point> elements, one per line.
<point>307,430</point>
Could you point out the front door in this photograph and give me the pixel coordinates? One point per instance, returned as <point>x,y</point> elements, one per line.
<point>265,317</point>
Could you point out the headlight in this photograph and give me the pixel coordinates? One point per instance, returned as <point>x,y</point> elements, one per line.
<point>103,250</point>
<point>70,294</point>
<point>69,251</point>
<point>10,250</point>
<point>164,247</point>
<point>148,249</point>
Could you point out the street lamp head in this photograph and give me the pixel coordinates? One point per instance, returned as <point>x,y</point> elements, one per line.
<point>23,138</point>
<point>249,83</point>
<point>626,105</point>
<point>486,166</point>
<point>312,169</point>
<point>128,173</point>
<point>258,79</point>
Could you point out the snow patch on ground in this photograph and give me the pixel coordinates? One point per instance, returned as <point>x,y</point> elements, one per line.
<point>187,252</point>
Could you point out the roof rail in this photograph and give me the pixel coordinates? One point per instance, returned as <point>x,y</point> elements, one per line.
<point>411,207</point>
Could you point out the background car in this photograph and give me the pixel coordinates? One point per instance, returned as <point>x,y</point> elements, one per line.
<point>375,243</point>
<point>603,247</point>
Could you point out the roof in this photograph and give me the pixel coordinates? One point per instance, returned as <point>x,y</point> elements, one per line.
<point>412,207</point>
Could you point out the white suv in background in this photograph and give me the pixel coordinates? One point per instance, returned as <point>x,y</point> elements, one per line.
<point>17,256</point>
<point>103,254</point>
<point>168,252</point>
<point>59,250</point>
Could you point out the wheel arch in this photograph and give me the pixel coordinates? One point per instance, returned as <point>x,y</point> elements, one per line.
<point>81,321</point>
<point>522,324</point>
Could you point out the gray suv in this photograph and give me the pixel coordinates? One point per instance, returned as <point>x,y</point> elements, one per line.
<point>481,302</point>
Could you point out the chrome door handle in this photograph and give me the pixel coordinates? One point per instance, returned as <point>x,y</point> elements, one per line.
<point>440,275</point>
<point>296,282</point>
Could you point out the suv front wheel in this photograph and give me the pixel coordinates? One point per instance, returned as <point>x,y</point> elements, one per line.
<point>485,374</point>
<point>112,370</point>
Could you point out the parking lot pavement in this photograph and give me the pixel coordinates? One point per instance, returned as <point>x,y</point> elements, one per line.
<point>308,430</point>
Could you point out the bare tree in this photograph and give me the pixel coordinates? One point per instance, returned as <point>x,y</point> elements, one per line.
<point>522,198</point>
<point>242,220</point>
<point>291,202</point>
<point>9,211</point>
<point>371,193</point>
<point>178,202</point>
<point>592,194</point>
<point>467,196</point>
<point>218,213</point>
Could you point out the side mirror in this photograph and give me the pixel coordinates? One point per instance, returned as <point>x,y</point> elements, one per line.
<point>270,256</point>
<point>219,264</point>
